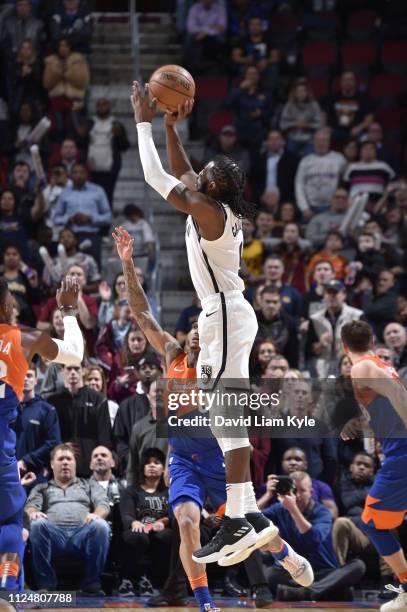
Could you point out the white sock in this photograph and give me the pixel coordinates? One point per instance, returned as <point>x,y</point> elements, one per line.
<point>235,493</point>
<point>250,503</point>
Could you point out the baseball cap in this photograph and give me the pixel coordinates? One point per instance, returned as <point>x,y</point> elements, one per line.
<point>228,129</point>
<point>334,285</point>
<point>149,358</point>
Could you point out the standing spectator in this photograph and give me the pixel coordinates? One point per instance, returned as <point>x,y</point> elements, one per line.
<point>142,234</point>
<point>67,156</point>
<point>123,372</point>
<point>112,336</point>
<point>72,21</point>
<point>83,417</point>
<point>318,176</point>
<point>188,316</point>
<point>146,533</point>
<point>324,335</point>
<point>25,78</point>
<point>331,252</point>
<point>37,429</point>
<point>276,167</point>
<point>300,118</point>
<point>252,107</point>
<point>205,29</point>
<point>276,325</point>
<point>107,141</point>
<point>380,305</point>
<point>23,283</point>
<point>313,299</point>
<point>321,224</point>
<point>84,208</point>
<point>67,518</point>
<point>87,310</point>
<point>395,337</point>
<point>349,111</point>
<point>368,175</point>
<point>94,377</point>
<point>19,26</point>
<point>226,144</point>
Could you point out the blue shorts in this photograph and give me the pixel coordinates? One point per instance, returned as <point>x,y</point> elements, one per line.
<point>196,478</point>
<point>386,502</point>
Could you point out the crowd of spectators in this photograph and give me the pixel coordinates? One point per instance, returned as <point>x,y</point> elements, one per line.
<point>87,443</point>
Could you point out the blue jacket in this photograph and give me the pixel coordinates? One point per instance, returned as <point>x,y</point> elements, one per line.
<point>37,431</point>
<point>315,545</point>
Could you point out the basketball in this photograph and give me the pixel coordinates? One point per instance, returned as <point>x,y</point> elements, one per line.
<point>171,85</point>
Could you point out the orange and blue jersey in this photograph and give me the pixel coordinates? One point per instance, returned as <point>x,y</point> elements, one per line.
<point>13,368</point>
<point>386,503</point>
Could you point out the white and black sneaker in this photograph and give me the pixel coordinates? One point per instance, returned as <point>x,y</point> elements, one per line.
<point>234,534</point>
<point>265,531</point>
<point>399,604</point>
<point>298,567</point>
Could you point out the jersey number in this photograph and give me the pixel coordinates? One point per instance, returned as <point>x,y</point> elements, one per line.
<point>3,373</point>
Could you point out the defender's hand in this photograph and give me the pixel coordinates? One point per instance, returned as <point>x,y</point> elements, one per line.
<point>124,243</point>
<point>183,111</point>
<point>144,108</point>
<point>68,293</point>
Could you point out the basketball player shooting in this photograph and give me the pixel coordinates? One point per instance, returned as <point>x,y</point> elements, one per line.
<point>383,400</point>
<point>17,349</point>
<point>213,201</point>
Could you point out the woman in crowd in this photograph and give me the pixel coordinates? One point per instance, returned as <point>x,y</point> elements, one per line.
<point>146,534</point>
<point>109,298</point>
<point>300,118</point>
<point>123,373</point>
<point>94,377</point>
<point>261,355</point>
<point>287,212</point>
<point>111,337</point>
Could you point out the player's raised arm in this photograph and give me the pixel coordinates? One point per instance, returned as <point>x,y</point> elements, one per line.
<point>178,159</point>
<point>68,351</point>
<point>139,306</point>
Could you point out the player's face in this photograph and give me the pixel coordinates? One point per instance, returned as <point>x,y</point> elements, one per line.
<point>153,468</point>
<point>29,381</point>
<point>294,460</point>
<point>361,468</point>
<point>204,178</point>
<point>64,465</point>
<point>192,340</point>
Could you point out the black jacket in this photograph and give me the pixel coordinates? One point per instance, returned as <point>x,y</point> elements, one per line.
<point>286,169</point>
<point>283,332</point>
<point>132,409</point>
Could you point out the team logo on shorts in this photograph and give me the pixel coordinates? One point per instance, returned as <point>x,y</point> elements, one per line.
<point>206,373</point>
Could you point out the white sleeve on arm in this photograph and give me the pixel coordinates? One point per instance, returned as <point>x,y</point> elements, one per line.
<point>154,173</point>
<point>70,349</point>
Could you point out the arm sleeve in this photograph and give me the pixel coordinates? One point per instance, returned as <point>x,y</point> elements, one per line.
<point>70,349</point>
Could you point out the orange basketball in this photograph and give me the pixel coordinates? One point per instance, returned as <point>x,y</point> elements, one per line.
<point>171,85</point>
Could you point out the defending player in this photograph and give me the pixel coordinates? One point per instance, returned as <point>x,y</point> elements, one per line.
<point>17,348</point>
<point>227,325</point>
<point>383,400</point>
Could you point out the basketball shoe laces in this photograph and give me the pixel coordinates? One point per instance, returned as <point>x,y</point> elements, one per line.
<point>399,590</point>
<point>293,564</point>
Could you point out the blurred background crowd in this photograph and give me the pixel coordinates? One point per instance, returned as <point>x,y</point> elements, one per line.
<point>310,98</point>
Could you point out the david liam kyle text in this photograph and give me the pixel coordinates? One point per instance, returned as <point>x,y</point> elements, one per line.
<point>252,420</point>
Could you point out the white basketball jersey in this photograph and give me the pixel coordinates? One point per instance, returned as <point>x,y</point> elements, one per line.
<point>214,264</point>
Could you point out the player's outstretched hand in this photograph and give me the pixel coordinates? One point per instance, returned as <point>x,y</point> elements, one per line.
<point>124,243</point>
<point>68,293</point>
<point>144,108</point>
<point>183,111</point>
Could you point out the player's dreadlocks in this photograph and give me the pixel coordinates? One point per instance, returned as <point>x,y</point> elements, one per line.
<point>230,178</point>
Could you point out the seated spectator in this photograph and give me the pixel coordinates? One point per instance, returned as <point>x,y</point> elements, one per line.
<point>294,460</point>
<point>22,282</point>
<point>368,175</point>
<point>277,367</point>
<point>66,78</point>
<point>292,249</point>
<point>144,436</point>
<point>87,309</point>
<point>287,212</point>
<point>205,29</point>
<point>252,107</point>
<point>72,21</point>
<point>37,430</point>
<point>313,299</point>
<point>142,234</point>
<point>111,338</point>
<point>318,176</point>
<point>300,118</point>
<point>276,167</point>
<point>307,525</point>
<point>270,199</point>
<point>349,111</point>
<point>84,209</point>
<point>107,141</point>
<point>25,78</point>
<point>30,209</point>
<point>324,334</point>
<point>256,49</point>
<point>188,316</point>
<point>102,464</point>
<point>109,298</point>
<point>253,252</point>
<point>352,489</point>
<point>67,517</point>
<point>331,252</point>
<point>278,326</point>
<point>321,224</point>
<point>380,304</point>
<point>72,257</point>
<point>261,354</point>
<point>18,26</point>
<point>350,150</point>
<point>94,377</point>
<point>123,377</point>
<point>274,272</point>
<point>226,143</point>
<point>146,534</point>
<point>264,224</point>
<point>395,338</point>
<point>384,353</point>
<point>67,156</point>
<point>374,134</point>
<point>11,224</point>
<point>83,417</point>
